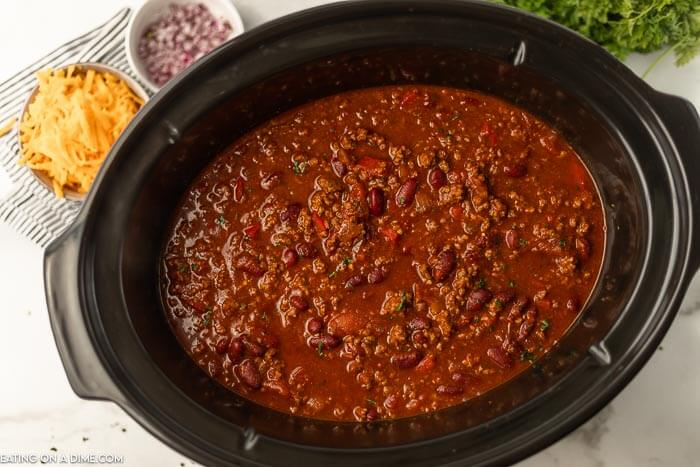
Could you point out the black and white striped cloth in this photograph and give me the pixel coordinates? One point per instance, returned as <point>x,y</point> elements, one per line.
<point>30,208</point>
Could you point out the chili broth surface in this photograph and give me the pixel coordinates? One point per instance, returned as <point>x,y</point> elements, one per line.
<point>382,253</point>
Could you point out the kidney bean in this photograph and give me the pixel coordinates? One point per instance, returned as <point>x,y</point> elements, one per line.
<point>573,305</point>
<point>253,347</point>
<point>289,257</point>
<point>339,167</point>
<point>238,190</point>
<point>406,192</point>
<point>354,281</point>
<point>517,308</point>
<point>247,263</point>
<point>290,213</point>
<point>372,414</point>
<point>406,360</point>
<point>583,248</point>
<point>477,299</point>
<point>328,341</point>
<point>449,390</point>
<point>418,324</point>
<point>499,357</point>
<point>299,302</point>
<point>249,374</point>
<point>251,230</point>
<point>443,264</point>
<point>436,178</point>
<point>314,325</point>
<point>376,275</point>
<point>221,346</point>
<point>306,250</point>
<point>515,170</point>
<point>235,349</point>
<point>375,200</point>
<point>270,181</point>
<point>511,238</point>
<point>418,337</point>
<point>504,297</point>
<point>528,324</point>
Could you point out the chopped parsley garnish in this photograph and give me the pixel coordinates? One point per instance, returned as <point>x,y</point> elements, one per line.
<point>544,325</point>
<point>221,220</point>
<point>319,349</point>
<point>522,241</point>
<point>562,242</point>
<point>482,283</point>
<point>511,284</point>
<point>403,303</point>
<point>527,356</point>
<point>183,268</point>
<point>206,318</point>
<point>498,303</point>
<point>371,402</point>
<point>299,167</point>
<point>332,274</point>
<point>194,267</point>
<point>347,261</point>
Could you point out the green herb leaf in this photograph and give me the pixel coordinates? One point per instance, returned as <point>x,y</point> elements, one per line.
<point>404,302</point>
<point>319,349</point>
<point>481,284</point>
<point>371,402</point>
<point>221,220</point>
<point>332,274</point>
<point>299,167</point>
<point>628,26</point>
<point>527,356</point>
<point>544,325</point>
<point>522,241</point>
<point>206,317</point>
<point>562,242</point>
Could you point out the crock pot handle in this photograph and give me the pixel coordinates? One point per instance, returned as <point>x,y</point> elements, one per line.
<point>683,123</point>
<point>83,367</point>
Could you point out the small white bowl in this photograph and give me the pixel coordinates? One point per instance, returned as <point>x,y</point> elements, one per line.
<point>152,10</point>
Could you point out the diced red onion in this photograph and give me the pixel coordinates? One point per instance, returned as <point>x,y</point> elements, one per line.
<point>185,34</point>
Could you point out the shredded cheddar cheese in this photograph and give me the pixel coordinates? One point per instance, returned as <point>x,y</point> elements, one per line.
<point>71,124</point>
<point>7,126</point>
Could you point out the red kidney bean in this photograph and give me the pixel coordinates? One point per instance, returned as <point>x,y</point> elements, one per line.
<point>443,264</point>
<point>583,248</point>
<point>573,305</point>
<point>247,263</point>
<point>306,250</point>
<point>477,299</point>
<point>270,181</point>
<point>249,374</point>
<point>375,199</point>
<point>299,302</point>
<point>289,257</point>
<point>406,192</point>
<point>376,275</point>
<point>418,337</point>
<point>436,178</point>
<point>499,357</point>
<point>517,308</point>
<point>515,170</point>
<point>290,213</point>
<point>221,346</point>
<point>345,323</point>
<point>339,167</point>
<point>528,323</point>
<point>449,390</point>
<point>372,414</point>
<point>328,341</point>
<point>417,324</point>
<point>406,360</point>
<point>504,297</point>
<point>252,347</point>
<point>235,349</point>
<point>511,238</point>
<point>314,325</point>
<point>251,230</point>
<point>354,281</point>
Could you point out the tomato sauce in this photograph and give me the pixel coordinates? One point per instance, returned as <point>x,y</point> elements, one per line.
<point>382,253</point>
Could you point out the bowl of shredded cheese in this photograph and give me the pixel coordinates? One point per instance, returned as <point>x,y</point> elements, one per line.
<point>71,120</point>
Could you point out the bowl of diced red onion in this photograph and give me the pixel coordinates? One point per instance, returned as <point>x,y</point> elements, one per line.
<point>166,36</point>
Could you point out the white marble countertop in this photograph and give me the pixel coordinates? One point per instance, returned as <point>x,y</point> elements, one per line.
<point>654,421</point>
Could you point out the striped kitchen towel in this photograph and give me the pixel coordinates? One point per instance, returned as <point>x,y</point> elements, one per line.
<point>30,207</point>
